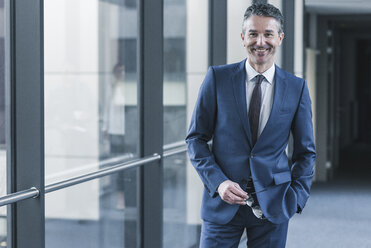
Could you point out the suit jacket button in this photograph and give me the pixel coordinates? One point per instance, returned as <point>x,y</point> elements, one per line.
<point>252,155</point>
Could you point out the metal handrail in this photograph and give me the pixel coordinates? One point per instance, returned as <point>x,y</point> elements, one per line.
<point>174,145</point>
<point>19,196</point>
<point>102,163</point>
<point>174,151</point>
<point>33,192</point>
<point>100,173</point>
<point>169,149</point>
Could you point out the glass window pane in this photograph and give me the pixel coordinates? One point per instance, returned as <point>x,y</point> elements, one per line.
<point>108,219</point>
<point>3,173</point>
<point>185,65</point>
<point>178,232</point>
<point>91,113</point>
<point>174,71</point>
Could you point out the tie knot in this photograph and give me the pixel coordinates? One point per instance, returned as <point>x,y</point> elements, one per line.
<point>259,79</point>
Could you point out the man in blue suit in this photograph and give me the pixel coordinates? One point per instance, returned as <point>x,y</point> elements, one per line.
<point>248,110</point>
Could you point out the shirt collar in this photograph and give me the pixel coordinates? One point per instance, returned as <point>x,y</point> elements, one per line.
<point>268,74</point>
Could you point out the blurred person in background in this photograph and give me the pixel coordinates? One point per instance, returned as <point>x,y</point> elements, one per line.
<point>115,126</point>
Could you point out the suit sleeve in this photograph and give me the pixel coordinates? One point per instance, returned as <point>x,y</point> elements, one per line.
<point>304,149</point>
<point>200,132</point>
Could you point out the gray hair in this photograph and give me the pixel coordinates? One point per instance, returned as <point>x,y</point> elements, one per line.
<point>266,10</point>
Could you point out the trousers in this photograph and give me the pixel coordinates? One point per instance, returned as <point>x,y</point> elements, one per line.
<point>261,233</point>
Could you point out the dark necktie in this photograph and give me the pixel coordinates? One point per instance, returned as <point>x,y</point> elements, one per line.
<point>254,111</point>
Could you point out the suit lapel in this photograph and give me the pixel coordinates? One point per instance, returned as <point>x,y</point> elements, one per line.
<point>280,89</point>
<point>239,90</point>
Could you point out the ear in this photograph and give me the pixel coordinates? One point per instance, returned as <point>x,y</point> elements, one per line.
<point>281,36</point>
<point>242,37</point>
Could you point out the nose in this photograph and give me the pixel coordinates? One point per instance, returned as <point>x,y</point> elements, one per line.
<point>261,40</point>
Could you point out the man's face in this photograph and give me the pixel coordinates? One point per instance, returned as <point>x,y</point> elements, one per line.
<point>261,40</point>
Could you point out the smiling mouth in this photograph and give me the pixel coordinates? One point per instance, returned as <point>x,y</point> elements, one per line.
<point>260,49</point>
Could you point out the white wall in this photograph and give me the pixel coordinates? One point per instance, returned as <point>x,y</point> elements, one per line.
<point>278,57</point>
<point>310,72</point>
<point>235,12</point>
<point>299,39</point>
<point>197,64</point>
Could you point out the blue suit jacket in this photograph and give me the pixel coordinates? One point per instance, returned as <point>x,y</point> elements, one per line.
<point>221,115</point>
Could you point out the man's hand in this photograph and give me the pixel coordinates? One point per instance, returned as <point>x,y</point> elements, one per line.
<point>232,193</point>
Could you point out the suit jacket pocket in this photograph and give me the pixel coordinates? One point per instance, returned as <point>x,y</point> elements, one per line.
<point>282,177</point>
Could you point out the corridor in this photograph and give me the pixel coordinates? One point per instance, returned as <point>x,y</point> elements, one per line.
<point>338,212</point>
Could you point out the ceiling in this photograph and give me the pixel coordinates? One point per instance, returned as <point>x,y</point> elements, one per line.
<point>338,6</point>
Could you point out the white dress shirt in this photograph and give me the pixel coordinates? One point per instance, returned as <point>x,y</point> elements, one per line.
<point>267,89</point>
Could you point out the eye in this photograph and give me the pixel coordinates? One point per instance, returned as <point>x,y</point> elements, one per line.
<point>253,35</point>
<point>268,35</point>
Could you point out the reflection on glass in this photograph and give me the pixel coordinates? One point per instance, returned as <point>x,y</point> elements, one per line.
<point>96,220</point>
<point>177,230</point>
<point>185,65</point>
<point>3,232</point>
<point>174,70</point>
<point>91,114</point>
